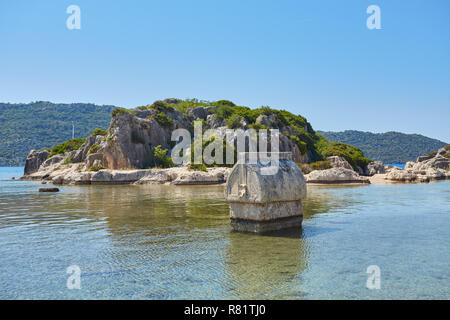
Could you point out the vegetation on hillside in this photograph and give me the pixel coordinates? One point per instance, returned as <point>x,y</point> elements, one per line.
<point>318,165</point>
<point>40,125</point>
<point>303,134</point>
<point>89,118</point>
<point>71,145</point>
<point>389,147</point>
<point>161,158</point>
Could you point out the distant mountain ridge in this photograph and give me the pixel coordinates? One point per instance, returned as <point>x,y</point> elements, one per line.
<point>41,124</point>
<point>389,147</point>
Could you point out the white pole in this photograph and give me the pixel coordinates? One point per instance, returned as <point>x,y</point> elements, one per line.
<point>73,130</point>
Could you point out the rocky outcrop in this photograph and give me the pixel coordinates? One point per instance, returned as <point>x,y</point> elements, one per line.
<point>34,160</point>
<point>398,174</point>
<point>335,175</point>
<point>200,113</point>
<point>132,136</point>
<point>375,167</point>
<point>81,154</point>
<point>437,162</point>
<point>267,120</point>
<point>339,162</point>
<point>131,139</point>
<point>52,161</point>
<point>425,169</point>
<point>74,174</point>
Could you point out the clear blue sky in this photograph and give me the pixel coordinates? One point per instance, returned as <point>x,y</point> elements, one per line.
<point>314,58</point>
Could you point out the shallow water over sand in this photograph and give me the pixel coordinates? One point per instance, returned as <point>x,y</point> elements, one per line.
<point>168,242</point>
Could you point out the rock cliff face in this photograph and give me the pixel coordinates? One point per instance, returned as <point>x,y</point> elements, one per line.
<point>131,137</point>
<point>339,162</point>
<point>375,167</point>
<point>34,161</point>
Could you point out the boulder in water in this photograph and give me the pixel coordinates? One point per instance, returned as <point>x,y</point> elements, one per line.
<point>48,190</point>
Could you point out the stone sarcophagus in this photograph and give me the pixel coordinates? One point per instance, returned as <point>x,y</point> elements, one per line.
<point>264,197</point>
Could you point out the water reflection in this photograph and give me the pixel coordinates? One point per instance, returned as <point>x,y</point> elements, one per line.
<point>166,242</point>
<point>263,266</point>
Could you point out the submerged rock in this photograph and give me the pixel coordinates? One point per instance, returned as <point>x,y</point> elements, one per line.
<point>48,190</point>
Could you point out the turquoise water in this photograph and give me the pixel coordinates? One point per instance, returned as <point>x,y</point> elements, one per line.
<point>398,165</point>
<point>168,242</point>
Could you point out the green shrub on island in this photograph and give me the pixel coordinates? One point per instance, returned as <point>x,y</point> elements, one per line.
<point>447,147</point>
<point>223,103</point>
<point>302,146</point>
<point>353,155</point>
<point>304,167</point>
<point>310,167</point>
<point>206,143</point>
<point>320,165</point>
<point>71,145</point>
<point>68,160</point>
<point>258,126</point>
<point>99,132</point>
<point>93,149</point>
<point>119,111</point>
<point>161,106</point>
<point>223,112</point>
<point>234,122</point>
<point>163,120</point>
<point>96,168</point>
<point>198,167</point>
<point>161,158</point>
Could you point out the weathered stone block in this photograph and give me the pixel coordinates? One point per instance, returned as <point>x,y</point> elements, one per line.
<point>262,202</point>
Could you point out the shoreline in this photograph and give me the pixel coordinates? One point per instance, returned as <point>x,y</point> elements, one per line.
<point>177,176</point>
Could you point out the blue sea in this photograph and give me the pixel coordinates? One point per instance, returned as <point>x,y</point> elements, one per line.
<point>398,165</point>
<point>175,242</point>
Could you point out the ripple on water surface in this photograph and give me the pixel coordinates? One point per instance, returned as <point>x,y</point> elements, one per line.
<point>167,242</point>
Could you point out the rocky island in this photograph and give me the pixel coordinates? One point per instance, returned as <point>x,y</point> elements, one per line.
<point>434,166</point>
<point>136,147</point>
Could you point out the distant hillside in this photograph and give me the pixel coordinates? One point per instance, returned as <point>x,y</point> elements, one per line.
<point>389,147</point>
<point>43,124</point>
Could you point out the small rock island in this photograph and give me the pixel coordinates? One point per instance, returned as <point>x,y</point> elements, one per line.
<point>136,149</point>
